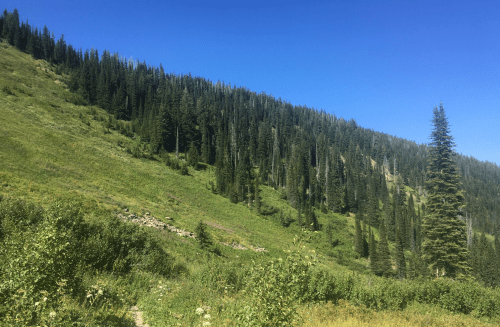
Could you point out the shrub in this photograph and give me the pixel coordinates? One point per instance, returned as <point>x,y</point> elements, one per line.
<point>461,298</point>
<point>276,288</point>
<point>40,259</point>
<point>184,169</point>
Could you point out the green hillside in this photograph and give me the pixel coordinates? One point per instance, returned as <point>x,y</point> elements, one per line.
<point>74,160</point>
<point>52,149</point>
<point>126,192</point>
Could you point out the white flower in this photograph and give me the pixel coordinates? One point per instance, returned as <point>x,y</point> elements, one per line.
<point>37,303</point>
<point>206,323</point>
<point>52,314</point>
<point>200,311</point>
<point>100,292</point>
<point>207,317</point>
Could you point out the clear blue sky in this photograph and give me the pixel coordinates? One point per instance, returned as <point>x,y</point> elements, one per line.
<point>386,64</point>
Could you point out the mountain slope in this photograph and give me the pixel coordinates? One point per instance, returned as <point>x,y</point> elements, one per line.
<point>53,147</point>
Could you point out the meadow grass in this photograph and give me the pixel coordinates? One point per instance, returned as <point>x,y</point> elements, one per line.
<point>415,315</point>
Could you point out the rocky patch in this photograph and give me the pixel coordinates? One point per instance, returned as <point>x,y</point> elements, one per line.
<point>150,221</point>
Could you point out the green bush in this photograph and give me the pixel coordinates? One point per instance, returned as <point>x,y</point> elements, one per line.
<point>275,289</point>
<point>42,255</point>
<point>184,169</point>
<point>124,247</point>
<point>49,251</point>
<point>461,298</point>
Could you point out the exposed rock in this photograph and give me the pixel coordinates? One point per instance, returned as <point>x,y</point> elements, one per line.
<point>150,221</point>
<point>259,249</point>
<point>235,246</point>
<point>144,221</point>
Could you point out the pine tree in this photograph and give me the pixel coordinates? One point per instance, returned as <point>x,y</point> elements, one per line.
<point>203,235</point>
<point>366,245</point>
<point>400,256</point>
<point>445,244</point>
<point>358,237</point>
<point>256,195</point>
<point>411,223</point>
<point>193,156</point>
<point>497,257</point>
<point>384,267</point>
<point>373,251</point>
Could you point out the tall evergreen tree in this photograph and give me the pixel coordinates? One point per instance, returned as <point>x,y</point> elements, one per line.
<point>373,251</point>
<point>384,267</point>
<point>358,237</point>
<point>400,256</point>
<point>497,255</point>
<point>256,195</point>
<point>445,244</point>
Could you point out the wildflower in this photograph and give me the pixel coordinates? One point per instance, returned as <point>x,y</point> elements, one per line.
<point>44,299</point>
<point>206,323</point>
<point>52,314</point>
<point>37,303</point>
<point>200,311</point>
<point>207,317</point>
<point>100,292</point>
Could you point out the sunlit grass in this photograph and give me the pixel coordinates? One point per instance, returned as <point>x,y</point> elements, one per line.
<point>344,314</point>
<point>52,148</point>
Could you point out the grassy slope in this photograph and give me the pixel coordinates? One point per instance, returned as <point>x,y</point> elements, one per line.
<point>51,148</point>
<point>47,151</point>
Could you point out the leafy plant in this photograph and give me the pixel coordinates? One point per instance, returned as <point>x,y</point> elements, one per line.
<point>276,288</point>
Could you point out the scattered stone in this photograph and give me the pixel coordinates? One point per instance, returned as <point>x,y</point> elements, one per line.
<point>235,246</point>
<point>144,221</point>
<point>150,221</point>
<point>259,249</point>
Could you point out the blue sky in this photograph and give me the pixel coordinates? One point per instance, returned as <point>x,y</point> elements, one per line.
<point>386,64</point>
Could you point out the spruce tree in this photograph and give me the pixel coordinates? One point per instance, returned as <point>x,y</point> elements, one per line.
<point>373,251</point>
<point>358,237</point>
<point>445,244</point>
<point>193,156</point>
<point>256,194</point>
<point>400,256</point>
<point>497,257</point>
<point>384,266</point>
<point>203,235</point>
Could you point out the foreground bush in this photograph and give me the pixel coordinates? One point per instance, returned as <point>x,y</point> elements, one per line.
<point>45,255</point>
